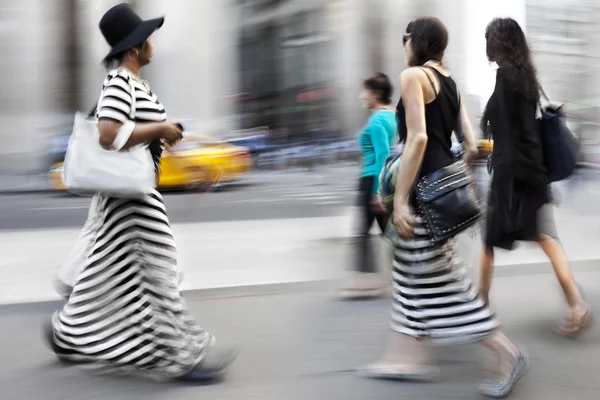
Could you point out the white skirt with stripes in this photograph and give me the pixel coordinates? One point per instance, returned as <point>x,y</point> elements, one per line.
<point>433,296</point>
<point>126,313</point>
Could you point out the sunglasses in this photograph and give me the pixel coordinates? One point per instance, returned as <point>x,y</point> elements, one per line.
<point>405,38</point>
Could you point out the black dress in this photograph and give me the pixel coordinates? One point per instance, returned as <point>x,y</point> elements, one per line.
<point>441,116</point>
<point>520,184</point>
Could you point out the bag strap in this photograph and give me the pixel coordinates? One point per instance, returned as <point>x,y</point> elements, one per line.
<point>543,93</point>
<point>133,99</point>
<point>540,110</point>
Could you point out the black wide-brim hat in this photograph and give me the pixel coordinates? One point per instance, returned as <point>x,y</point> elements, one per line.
<point>123,29</point>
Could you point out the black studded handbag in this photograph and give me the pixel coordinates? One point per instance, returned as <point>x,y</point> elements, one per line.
<point>448,201</point>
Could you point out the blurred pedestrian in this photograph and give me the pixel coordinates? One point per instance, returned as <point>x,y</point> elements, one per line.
<point>376,141</point>
<point>520,194</point>
<point>125,313</point>
<point>434,300</point>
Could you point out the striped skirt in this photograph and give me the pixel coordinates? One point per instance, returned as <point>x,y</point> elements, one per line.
<point>126,314</point>
<point>433,296</point>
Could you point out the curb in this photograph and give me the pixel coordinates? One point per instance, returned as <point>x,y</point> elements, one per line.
<point>289,288</point>
<point>210,294</point>
<point>538,268</point>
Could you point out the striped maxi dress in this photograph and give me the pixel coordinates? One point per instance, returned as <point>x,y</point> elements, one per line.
<point>433,296</point>
<point>126,313</point>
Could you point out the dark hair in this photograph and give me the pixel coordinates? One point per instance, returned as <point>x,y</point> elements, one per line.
<point>114,61</point>
<point>381,85</point>
<point>429,39</point>
<point>507,46</point>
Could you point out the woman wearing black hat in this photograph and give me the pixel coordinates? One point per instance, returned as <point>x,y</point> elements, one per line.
<point>125,313</point>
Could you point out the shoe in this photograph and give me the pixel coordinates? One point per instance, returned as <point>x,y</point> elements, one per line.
<point>49,339</point>
<point>63,289</point>
<point>48,335</point>
<point>502,387</point>
<point>419,374</point>
<point>362,286</point>
<point>213,365</point>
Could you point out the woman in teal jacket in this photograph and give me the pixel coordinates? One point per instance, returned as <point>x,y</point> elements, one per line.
<point>376,142</point>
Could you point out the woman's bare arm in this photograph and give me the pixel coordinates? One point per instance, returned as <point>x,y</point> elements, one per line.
<point>413,98</point>
<point>142,133</point>
<point>469,144</point>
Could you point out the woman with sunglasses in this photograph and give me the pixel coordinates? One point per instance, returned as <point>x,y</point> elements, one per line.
<point>434,300</point>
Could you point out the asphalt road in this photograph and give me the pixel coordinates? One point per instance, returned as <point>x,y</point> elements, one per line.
<point>262,195</point>
<point>302,344</point>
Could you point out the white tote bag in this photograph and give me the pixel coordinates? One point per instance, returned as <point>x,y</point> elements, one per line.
<point>69,272</point>
<point>90,168</point>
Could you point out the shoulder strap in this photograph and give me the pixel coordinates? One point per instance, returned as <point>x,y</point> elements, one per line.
<point>133,100</point>
<point>93,111</point>
<point>458,130</point>
<point>130,80</point>
<point>543,92</point>
<point>430,80</point>
<point>132,111</point>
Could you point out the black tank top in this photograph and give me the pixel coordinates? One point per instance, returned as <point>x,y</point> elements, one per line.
<point>441,117</point>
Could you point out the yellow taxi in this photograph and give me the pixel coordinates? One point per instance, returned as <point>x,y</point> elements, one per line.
<point>485,147</point>
<point>198,161</point>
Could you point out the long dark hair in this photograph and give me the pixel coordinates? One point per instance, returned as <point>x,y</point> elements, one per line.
<point>429,39</point>
<point>507,46</point>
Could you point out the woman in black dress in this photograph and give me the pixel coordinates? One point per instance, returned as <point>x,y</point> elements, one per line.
<point>520,185</point>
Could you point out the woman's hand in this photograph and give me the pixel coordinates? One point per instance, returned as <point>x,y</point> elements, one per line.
<point>171,133</point>
<point>376,205</point>
<point>404,219</point>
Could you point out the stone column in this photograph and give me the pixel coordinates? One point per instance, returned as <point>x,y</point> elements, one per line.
<point>396,16</point>
<point>352,63</point>
<point>31,80</point>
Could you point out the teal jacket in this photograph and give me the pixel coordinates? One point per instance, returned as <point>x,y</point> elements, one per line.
<point>376,141</point>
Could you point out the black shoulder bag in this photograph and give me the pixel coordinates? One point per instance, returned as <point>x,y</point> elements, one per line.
<point>559,144</point>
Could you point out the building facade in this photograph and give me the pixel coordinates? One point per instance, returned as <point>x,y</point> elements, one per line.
<point>54,69</point>
<point>295,66</point>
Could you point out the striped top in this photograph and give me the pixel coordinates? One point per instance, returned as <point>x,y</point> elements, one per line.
<point>115,104</point>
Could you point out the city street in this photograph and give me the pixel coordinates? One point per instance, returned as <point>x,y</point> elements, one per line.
<point>279,227</point>
<point>291,95</point>
<point>326,191</point>
<point>302,344</point>
<point>261,195</point>
<point>262,262</point>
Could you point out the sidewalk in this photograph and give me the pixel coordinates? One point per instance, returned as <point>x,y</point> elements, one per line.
<point>248,253</point>
<point>306,345</point>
